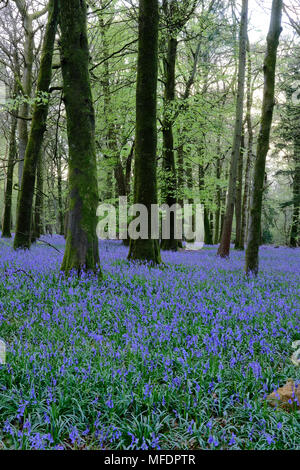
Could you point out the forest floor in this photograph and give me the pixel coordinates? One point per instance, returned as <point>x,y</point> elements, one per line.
<point>180,356</point>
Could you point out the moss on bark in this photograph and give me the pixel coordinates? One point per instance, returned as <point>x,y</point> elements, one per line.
<point>82,249</point>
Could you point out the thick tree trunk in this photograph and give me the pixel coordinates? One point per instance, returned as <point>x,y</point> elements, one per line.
<point>12,155</point>
<point>252,252</point>
<point>145,186</point>
<point>38,127</point>
<point>224,248</point>
<point>82,248</point>
<point>169,191</point>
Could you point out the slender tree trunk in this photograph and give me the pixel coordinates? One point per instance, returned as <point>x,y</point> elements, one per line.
<point>12,154</point>
<point>82,248</point>
<point>38,210</point>
<point>169,191</point>
<point>239,193</point>
<point>252,252</point>
<point>38,127</point>
<point>145,186</point>
<point>208,237</point>
<point>224,248</point>
<point>218,202</point>
<point>295,238</point>
<point>180,173</point>
<point>111,138</point>
<point>246,195</point>
<point>29,32</point>
<point>60,197</point>
<point>27,89</point>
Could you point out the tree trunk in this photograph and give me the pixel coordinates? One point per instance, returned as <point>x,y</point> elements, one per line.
<point>169,191</point>
<point>29,33</point>
<point>145,186</point>
<point>295,239</point>
<point>252,253</point>
<point>246,195</point>
<point>59,197</point>
<point>12,154</point>
<point>239,193</point>
<point>38,127</point>
<point>219,201</point>
<point>38,210</point>
<point>27,89</point>
<point>82,248</point>
<point>224,248</point>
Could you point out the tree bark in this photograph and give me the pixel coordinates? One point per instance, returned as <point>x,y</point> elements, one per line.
<point>12,155</point>
<point>246,195</point>
<point>239,193</point>
<point>60,197</point>
<point>218,199</point>
<point>38,127</point>
<point>38,210</point>
<point>294,238</point>
<point>252,252</point>
<point>29,33</point>
<point>82,248</point>
<point>224,248</point>
<point>169,190</point>
<point>145,185</point>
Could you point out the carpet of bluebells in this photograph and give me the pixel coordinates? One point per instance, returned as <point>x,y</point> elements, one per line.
<point>180,356</point>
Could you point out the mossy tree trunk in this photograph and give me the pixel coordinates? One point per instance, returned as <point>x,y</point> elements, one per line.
<point>252,252</point>
<point>82,248</point>
<point>12,155</point>
<point>145,184</point>
<point>38,127</point>
<point>224,248</point>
